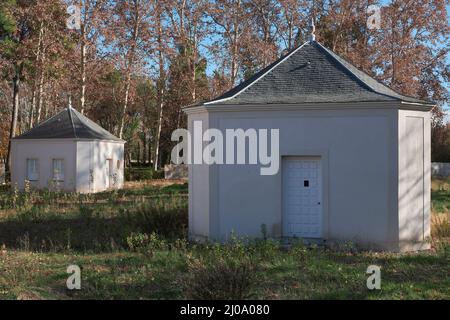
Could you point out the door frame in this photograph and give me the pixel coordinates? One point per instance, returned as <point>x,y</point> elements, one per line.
<point>322,194</point>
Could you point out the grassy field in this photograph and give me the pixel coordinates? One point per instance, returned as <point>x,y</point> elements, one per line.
<point>131,244</point>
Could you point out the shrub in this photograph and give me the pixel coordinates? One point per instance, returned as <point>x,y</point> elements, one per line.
<point>223,272</point>
<point>169,221</point>
<point>144,243</point>
<point>101,227</point>
<point>159,174</point>
<point>143,173</point>
<point>221,279</point>
<point>265,248</point>
<point>4,188</point>
<point>137,241</point>
<point>86,212</point>
<point>299,249</point>
<point>34,214</point>
<point>443,249</point>
<point>180,245</point>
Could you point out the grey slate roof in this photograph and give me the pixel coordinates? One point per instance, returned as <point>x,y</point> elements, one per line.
<point>70,124</point>
<point>310,74</point>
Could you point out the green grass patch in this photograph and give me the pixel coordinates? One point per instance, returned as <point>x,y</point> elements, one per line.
<point>132,244</point>
<point>440,195</point>
<point>225,273</point>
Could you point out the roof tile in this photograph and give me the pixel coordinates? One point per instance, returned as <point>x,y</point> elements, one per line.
<point>68,124</point>
<point>310,74</point>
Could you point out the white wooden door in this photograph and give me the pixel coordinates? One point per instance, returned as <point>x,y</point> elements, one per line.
<point>302,197</point>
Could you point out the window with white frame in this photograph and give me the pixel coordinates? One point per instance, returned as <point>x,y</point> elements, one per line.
<point>32,170</point>
<point>58,169</point>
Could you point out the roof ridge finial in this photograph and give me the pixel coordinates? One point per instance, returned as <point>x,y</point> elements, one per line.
<point>70,102</point>
<point>313,30</point>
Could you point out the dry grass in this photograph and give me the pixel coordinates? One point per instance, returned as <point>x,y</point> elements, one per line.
<point>55,222</point>
<point>101,234</point>
<point>440,184</point>
<point>153,183</point>
<point>440,226</point>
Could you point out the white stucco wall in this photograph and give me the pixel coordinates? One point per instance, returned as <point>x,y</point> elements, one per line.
<point>414,193</point>
<point>45,151</point>
<point>359,151</point>
<point>199,191</point>
<point>356,161</point>
<point>92,155</point>
<point>79,158</point>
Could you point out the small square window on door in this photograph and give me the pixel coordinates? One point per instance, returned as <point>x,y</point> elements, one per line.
<point>306,183</point>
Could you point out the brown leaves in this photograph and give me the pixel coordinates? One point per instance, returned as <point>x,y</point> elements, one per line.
<point>129,43</point>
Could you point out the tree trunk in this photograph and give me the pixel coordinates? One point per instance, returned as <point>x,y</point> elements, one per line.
<point>160,97</point>
<point>234,52</point>
<point>129,67</point>
<point>37,60</point>
<point>41,86</point>
<point>33,107</point>
<point>158,127</point>
<point>144,147</point>
<point>45,108</point>
<point>125,104</point>
<point>22,116</point>
<point>194,63</point>
<point>83,70</point>
<point>15,111</point>
<point>150,152</point>
<point>40,95</point>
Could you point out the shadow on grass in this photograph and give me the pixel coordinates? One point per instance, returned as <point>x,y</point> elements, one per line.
<point>86,234</point>
<point>117,275</point>
<point>179,189</point>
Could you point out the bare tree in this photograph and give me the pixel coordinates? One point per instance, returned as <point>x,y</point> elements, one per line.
<point>231,23</point>
<point>92,15</point>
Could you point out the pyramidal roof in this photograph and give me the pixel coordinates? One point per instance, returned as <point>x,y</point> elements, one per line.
<point>311,73</point>
<point>68,124</point>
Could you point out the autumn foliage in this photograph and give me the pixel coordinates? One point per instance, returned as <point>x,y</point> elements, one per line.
<point>132,65</point>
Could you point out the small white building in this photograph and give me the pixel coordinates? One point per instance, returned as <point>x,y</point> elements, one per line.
<point>354,158</point>
<point>68,152</point>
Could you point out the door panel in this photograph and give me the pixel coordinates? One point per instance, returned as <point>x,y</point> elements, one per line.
<point>302,197</point>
